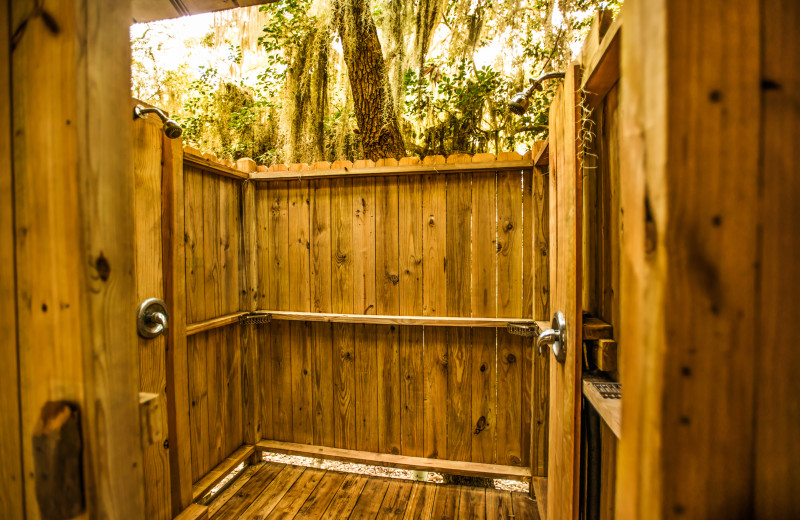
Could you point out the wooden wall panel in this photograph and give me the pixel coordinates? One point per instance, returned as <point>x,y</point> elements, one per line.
<point>435,245</point>
<point>214,255</point>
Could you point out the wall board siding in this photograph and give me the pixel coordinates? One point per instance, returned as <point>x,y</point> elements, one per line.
<point>429,245</point>
<point>214,252</point>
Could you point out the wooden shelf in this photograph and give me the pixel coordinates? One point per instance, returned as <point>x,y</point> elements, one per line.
<point>469,469</point>
<point>373,319</point>
<point>214,323</point>
<point>610,410</point>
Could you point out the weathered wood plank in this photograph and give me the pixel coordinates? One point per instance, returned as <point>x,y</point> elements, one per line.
<point>11,495</point>
<point>387,280</point>
<point>484,304</point>
<point>370,500</point>
<point>177,356</point>
<point>434,242</point>
<point>410,338</point>
<point>396,499</point>
<point>150,284</point>
<point>346,497</point>
<point>421,501</point>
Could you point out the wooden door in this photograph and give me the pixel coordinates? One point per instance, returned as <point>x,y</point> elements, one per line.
<point>565,287</point>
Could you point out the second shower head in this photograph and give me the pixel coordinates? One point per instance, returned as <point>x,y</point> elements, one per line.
<point>171,127</point>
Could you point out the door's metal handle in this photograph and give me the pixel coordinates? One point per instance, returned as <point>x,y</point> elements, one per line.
<point>556,337</point>
<point>152,318</point>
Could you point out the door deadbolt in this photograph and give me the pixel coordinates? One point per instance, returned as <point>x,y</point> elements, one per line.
<point>152,318</point>
<point>556,337</point>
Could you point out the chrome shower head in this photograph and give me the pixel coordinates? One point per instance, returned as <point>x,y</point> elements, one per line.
<point>171,128</point>
<point>521,101</point>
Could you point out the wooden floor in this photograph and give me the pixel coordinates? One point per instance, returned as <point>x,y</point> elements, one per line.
<point>272,490</point>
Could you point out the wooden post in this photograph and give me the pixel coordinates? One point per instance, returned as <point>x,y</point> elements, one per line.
<point>11,497</point>
<point>710,276</point>
<point>177,364</point>
<point>73,207</point>
<point>251,417</point>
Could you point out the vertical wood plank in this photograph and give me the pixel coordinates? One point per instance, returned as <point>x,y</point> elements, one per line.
<point>11,494</point>
<point>196,311</point>
<point>528,382</point>
<point>323,391</point>
<point>459,340</point>
<point>150,284</point>
<point>777,456</point>
<point>541,311</point>
<point>321,301</point>
<point>177,356</point>
<point>387,280</point>
<point>366,360</point>
<point>262,264</point>
<point>434,292</point>
<point>509,304</point>
<point>411,338</point>
<point>251,369</point>
<point>484,351</point>
<point>75,239</point>
<point>342,300</point>
<point>300,299</point>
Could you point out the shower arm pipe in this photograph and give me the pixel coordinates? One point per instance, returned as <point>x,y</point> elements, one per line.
<point>536,84</point>
<point>139,111</point>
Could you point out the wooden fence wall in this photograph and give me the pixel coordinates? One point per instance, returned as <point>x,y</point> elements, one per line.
<point>443,244</point>
<point>214,282</point>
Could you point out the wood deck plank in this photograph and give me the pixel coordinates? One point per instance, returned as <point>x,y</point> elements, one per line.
<point>369,502</point>
<point>499,505</point>
<point>298,494</point>
<point>472,504</point>
<point>421,501</point>
<point>247,493</point>
<point>273,493</point>
<point>323,494</point>
<point>447,502</point>
<point>347,496</point>
<point>395,501</point>
<point>524,507</point>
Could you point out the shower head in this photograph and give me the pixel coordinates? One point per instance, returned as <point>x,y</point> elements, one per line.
<point>521,101</point>
<point>171,128</point>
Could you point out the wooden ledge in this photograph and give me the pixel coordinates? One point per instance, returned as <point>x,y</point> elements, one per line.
<point>419,169</point>
<point>469,469</point>
<point>373,319</point>
<point>213,166</point>
<point>214,323</point>
<point>610,410</point>
<point>215,476</point>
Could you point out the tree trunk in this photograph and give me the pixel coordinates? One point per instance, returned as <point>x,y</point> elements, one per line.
<point>377,122</point>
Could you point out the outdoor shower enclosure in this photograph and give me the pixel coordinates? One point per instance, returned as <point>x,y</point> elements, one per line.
<point>352,311</point>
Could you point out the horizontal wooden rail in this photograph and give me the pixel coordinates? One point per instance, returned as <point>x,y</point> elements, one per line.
<point>213,166</point>
<point>417,169</point>
<point>610,410</point>
<point>373,319</point>
<point>469,469</point>
<point>215,476</point>
<point>214,323</point>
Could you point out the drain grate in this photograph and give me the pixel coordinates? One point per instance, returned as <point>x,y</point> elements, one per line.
<point>608,390</point>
